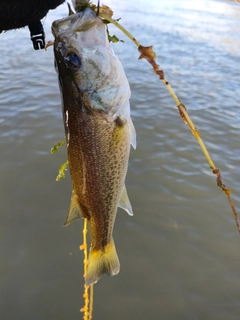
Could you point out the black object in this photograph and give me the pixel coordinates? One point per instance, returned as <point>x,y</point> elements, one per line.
<point>20,13</point>
<point>37,35</point>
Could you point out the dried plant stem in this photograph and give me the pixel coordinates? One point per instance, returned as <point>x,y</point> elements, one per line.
<point>195,132</point>
<point>87,300</point>
<point>148,54</point>
<point>85,262</point>
<point>188,121</point>
<point>186,118</point>
<point>91,303</point>
<point>234,211</point>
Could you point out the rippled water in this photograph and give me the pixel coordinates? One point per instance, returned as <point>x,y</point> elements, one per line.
<point>180,253</point>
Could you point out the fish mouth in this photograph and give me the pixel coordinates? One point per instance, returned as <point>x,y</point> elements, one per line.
<point>77,22</point>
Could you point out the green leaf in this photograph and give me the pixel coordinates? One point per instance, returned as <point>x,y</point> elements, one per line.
<point>56,147</point>
<point>113,38</point>
<point>61,171</point>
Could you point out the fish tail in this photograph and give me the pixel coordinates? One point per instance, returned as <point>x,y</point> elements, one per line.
<point>102,261</point>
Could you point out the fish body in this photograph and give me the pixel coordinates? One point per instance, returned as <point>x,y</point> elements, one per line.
<point>99,131</point>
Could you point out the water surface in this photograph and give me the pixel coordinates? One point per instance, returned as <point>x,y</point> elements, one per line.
<point>180,252</point>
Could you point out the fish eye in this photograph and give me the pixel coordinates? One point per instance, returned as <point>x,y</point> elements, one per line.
<point>72,61</point>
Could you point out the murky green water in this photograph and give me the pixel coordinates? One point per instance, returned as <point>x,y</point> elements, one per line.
<point>180,253</point>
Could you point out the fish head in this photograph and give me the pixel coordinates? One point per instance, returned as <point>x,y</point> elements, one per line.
<point>87,66</point>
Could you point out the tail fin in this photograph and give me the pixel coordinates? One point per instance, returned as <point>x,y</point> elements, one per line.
<point>102,261</point>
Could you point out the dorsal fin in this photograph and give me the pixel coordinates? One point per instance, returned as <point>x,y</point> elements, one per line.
<point>124,202</point>
<point>74,210</point>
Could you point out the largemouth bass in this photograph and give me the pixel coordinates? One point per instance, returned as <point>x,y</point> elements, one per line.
<point>99,131</point>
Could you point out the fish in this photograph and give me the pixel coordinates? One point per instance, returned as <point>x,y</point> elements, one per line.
<point>99,131</point>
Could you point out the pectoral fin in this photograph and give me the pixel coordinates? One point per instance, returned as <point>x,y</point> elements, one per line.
<point>74,210</point>
<point>133,134</point>
<point>124,202</point>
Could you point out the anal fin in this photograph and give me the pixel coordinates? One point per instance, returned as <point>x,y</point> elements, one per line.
<point>124,202</point>
<point>74,210</point>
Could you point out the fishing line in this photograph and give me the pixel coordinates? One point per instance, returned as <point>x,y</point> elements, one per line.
<point>237,2</point>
